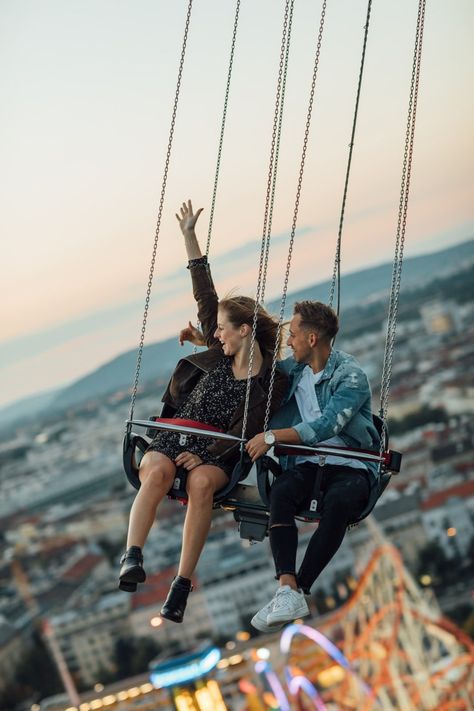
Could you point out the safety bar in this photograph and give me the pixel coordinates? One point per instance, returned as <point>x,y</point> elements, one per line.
<point>390,459</point>
<point>152,425</point>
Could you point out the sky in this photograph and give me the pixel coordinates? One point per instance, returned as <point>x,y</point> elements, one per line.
<point>87,90</point>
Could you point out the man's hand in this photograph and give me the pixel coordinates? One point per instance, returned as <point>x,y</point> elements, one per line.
<point>257,446</point>
<point>187,460</point>
<point>187,219</point>
<point>191,334</point>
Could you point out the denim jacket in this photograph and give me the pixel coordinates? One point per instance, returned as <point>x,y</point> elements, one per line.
<point>344,397</point>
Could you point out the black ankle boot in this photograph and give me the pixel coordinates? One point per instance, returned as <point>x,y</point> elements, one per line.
<point>131,571</point>
<point>175,603</point>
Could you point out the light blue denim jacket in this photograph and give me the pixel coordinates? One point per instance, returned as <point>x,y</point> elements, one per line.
<point>344,398</point>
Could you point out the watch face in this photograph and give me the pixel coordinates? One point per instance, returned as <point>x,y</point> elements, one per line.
<point>269,437</point>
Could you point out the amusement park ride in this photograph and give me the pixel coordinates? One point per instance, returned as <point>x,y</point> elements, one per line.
<point>388,647</point>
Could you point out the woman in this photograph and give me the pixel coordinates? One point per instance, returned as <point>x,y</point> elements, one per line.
<point>209,387</point>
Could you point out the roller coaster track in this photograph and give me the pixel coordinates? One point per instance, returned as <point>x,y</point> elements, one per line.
<point>395,638</point>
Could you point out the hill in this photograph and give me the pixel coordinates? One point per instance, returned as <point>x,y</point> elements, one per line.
<point>362,298</point>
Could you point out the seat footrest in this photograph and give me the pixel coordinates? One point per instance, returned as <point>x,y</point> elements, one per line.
<point>253,525</point>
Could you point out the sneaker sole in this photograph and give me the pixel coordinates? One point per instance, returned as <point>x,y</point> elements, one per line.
<point>264,626</point>
<point>275,618</point>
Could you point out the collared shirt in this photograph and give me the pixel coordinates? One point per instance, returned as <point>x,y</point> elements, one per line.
<point>310,411</point>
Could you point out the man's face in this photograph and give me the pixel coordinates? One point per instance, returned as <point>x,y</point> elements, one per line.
<point>301,340</point>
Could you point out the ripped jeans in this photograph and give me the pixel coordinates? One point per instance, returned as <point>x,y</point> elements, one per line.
<point>345,492</point>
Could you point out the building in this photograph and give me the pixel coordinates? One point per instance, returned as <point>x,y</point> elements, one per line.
<point>448,518</point>
<point>87,636</point>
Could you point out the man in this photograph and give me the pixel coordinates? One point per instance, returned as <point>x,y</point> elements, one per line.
<point>328,403</point>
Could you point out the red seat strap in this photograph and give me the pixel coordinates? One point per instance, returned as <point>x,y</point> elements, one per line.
<point>187,423</point>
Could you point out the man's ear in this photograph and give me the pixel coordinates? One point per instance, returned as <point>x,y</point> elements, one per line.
<point>313,339</point>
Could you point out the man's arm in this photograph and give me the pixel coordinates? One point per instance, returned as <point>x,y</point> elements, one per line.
<point>351,390</point>
<point>257,447</point>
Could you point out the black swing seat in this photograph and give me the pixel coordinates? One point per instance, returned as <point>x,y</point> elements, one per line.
<point>135,446</point>
<point>250,503</point>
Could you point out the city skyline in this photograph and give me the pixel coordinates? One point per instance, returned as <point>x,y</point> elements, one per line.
<point>89,92</point>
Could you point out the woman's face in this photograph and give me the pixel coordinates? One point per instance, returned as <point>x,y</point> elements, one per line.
<point>231,337</point>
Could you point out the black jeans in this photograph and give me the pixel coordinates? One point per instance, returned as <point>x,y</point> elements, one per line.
<point>345,493</point>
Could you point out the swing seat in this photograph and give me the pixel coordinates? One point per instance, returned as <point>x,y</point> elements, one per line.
<point>250,504</point>
<point>135,446</point>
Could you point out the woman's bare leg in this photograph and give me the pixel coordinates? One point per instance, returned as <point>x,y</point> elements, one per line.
<point>202,484</point>
<point>156,474</point>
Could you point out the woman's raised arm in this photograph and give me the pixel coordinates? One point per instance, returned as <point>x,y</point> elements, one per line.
<point>203,287</point>
<point>187,221</point>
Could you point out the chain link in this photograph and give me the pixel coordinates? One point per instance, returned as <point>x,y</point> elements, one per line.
<point>270,194</point>
<point>224,116</point>
<point>402,217</point>
<point>296,209</point>
<point>160,213</point>
<point>221,138</point>
<point>336,275</point>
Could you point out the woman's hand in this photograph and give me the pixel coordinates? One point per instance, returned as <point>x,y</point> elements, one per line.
<point>191,334</point>
<point>187,219</point>
<point>187,460</point>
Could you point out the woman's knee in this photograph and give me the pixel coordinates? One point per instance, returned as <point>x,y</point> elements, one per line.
<point>201,485</point>
<point>156,477</point>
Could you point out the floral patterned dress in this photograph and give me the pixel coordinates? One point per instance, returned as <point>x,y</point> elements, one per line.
<point>213,401</point>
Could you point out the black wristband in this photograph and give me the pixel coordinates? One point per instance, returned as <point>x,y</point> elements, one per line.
<point>197,262</point>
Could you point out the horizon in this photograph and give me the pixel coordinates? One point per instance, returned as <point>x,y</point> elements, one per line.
<point>89,90</point>
<point>60,387</point>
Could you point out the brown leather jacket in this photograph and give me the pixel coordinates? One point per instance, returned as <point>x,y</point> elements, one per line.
<point>190,368</point>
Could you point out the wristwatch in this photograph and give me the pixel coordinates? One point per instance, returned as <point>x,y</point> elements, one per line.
<point>269,438</point>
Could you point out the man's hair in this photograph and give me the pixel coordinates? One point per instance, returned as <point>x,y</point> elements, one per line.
<point>318,316</point>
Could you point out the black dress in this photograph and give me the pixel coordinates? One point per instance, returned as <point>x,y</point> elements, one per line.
<point>213,402</point>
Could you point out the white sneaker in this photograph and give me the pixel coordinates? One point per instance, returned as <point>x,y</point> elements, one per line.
<point>288,604</point>
<point>259,620</point>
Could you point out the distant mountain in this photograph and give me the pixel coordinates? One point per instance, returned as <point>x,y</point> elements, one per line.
<point>158,361</point>
<point>375,281</point>
<point>159,358</point>
<point>29,406</point>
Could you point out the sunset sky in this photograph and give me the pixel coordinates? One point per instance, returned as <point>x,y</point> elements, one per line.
<point>87,90</point>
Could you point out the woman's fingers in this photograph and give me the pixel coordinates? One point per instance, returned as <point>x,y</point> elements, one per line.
<point>187,460</point>
<point>186,216</point>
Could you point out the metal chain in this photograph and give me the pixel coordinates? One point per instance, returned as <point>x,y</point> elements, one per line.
<point>402,216</point>
<point>295,212</point>
<point>270,194</point>
<point>224,116</point>
<point>274,147</point>
<point>336,276</point>
<point>160,212</point>
<point>221,138</point>
<point>277,154</point>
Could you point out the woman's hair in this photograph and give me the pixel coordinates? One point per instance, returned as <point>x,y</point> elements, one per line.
<point>240,309</point>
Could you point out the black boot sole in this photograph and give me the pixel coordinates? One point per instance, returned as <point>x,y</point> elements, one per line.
<point>128,580</point>
<point>170,617</point>
<point>128,587</point>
